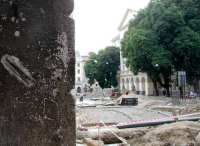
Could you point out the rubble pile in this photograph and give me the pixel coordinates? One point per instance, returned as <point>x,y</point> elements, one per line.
<point>191,109</point>
<point>180,133</point>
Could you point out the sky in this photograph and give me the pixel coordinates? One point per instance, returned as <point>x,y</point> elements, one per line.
<point>96,22</point>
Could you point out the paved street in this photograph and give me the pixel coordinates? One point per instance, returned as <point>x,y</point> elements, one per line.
<point>120,114</point>
<point>117,114</point>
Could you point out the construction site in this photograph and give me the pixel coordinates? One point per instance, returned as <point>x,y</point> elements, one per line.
<point>153,121</point>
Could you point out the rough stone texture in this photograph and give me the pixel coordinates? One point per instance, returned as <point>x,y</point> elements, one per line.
<point>36,73</point>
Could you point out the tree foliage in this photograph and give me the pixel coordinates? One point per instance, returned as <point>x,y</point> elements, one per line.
<point>91,68</point>
<point>165,36</point>
<point>103,67</point>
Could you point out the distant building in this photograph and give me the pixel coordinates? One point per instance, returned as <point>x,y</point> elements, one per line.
<point>140,84</point>
<point>81,81</point>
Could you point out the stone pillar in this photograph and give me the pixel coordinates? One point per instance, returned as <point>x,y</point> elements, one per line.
<point>36,73</point>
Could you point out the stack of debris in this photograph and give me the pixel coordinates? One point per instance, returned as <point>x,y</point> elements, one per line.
<point>178,134</point>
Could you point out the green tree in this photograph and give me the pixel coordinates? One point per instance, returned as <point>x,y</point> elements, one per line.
<point>165,34</point>
<point>103,67</point>
<point>91,68</point>
<point>144,56</point>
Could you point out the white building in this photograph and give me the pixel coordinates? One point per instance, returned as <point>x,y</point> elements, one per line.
<point>140,83</point>
<point>81,82</point>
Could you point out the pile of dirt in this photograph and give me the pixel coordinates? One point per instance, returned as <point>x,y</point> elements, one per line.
<point>176,134</point>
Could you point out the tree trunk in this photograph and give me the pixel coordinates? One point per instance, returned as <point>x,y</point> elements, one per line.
<point>37,73</point>
<point>167,91</point>
<point>156,88</point>
<point>166,85</point>
<point>181,91</point>
<point>196,85</point>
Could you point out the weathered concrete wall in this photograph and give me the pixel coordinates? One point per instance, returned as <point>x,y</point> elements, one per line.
<point>36,73</point>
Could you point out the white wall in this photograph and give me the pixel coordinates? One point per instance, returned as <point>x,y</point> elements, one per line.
<point>80,62</point>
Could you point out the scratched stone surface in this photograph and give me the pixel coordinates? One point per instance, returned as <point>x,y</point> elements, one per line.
<point>36,73</point>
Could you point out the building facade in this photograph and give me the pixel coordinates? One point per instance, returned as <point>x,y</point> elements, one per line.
<point>81,81</point>
<point>140,83</point>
